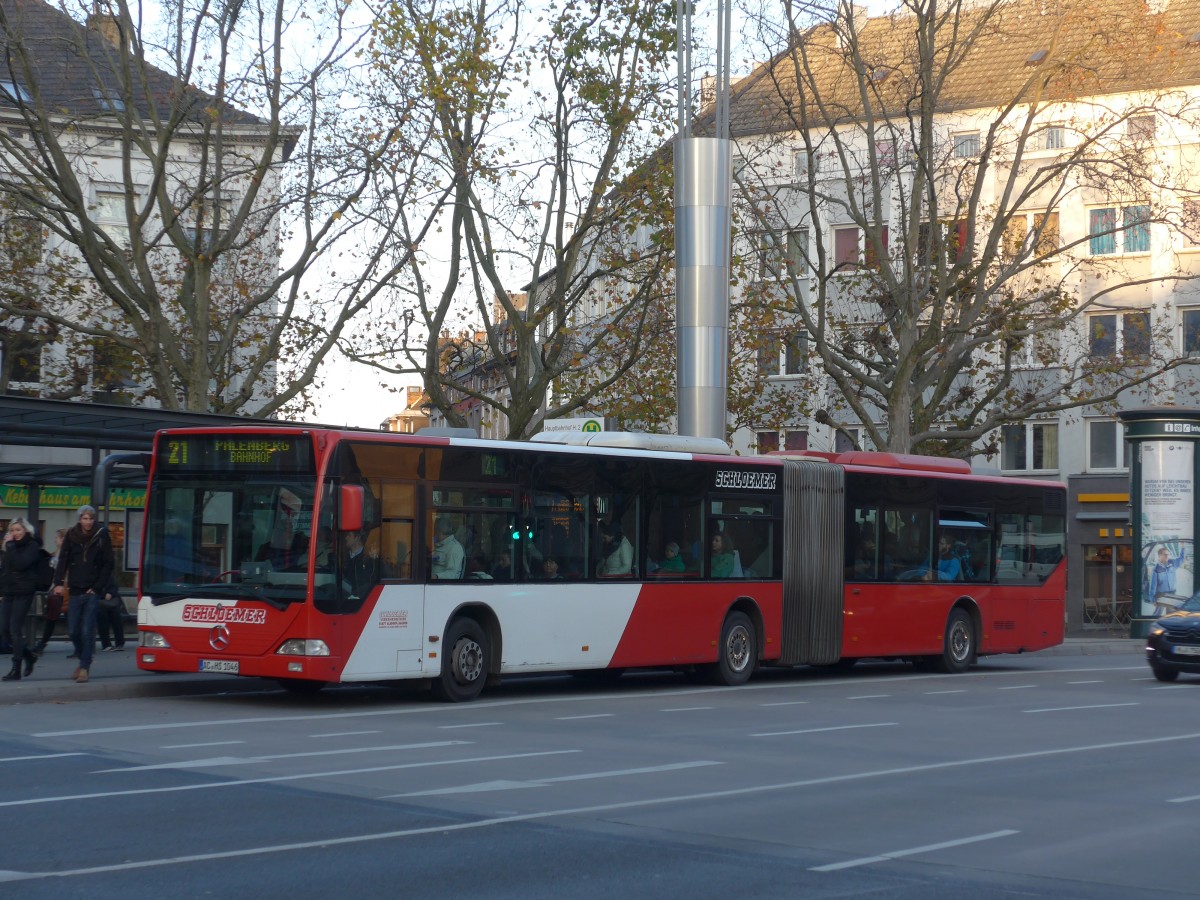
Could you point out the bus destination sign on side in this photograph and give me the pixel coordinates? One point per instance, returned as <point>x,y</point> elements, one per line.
<point>733,480</point>
<point>233,452</point>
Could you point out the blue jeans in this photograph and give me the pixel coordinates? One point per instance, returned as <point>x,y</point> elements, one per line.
<point>81,624</point>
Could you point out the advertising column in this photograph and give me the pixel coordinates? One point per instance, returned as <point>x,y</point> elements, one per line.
<point>1163,496</point>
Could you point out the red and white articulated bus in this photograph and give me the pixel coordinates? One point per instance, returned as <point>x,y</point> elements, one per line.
<point>317,556</point>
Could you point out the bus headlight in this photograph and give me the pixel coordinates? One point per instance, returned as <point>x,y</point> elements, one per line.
<point>303,647</point>
<point>152,639</point>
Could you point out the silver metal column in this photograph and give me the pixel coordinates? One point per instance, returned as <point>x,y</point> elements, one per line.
<point>703,178</point>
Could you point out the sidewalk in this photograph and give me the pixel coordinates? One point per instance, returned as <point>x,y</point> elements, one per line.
<point>115,676</point>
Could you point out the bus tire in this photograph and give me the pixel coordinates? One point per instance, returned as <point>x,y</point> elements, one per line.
<point>958,648</point>
<point>301,685</point>
<point>737,652</point>
<point>464,663</point>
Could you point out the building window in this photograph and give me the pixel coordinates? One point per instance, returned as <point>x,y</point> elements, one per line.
<point>1029,447</point>
<point>1191,332</point>
<point>847,439</point>
<point>22,356</point>
<point>851,250</point>
<point>845,246</point>
<point>885,153</point>
<point>966,146</point>
<point>953,235</point>
<point>1127,334</point>
<point>110,216</point>
<point>784,354</point>
<point>769,263</point>
<point>1053,138</point>
<point>767,441</point>
<point>1044,230</point>
<point>1106,445</point>
<point>800,165</point>
<point>24,243</point>
<point>1141,128</point>
<point>1114,229</point>
<point>13,92</point>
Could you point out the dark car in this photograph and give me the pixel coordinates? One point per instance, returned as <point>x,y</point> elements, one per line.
<point>1174,642</point>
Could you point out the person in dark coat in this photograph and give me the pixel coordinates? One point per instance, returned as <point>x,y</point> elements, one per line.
<point>18,583</point>
<point>110,618</point>
<point>84,571</point>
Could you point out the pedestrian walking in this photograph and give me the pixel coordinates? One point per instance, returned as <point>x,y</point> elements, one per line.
<point>18,582</point>
<point>84,570</point>
<point>52,602</point>
<point>110,619</point>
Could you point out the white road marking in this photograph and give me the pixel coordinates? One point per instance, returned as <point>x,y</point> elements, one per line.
<point>249,760</point>
<point>344,734</point>
<point>205,744</point>
<point>818,730</point>
<point>1093,681</point>
<point>485,786</point>
<point>897,854</point>
<point>1071,708</point>
<point>592,716</point>
<point>1016,687</point>
<point>687,708</point>
<point>99,795</point>
<point>446,827</point>
<point>869,697</point>
<point>40,756</point>
<point>934,693</point>
<point>785,703</point>
<point>471,725</point>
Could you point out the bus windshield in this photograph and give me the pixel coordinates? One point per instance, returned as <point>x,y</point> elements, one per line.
<point>237,536</point>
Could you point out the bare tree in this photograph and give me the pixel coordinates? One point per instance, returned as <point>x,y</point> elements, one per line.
<point>197,168</point>
<point>905,176</point>
<point>547,128</point>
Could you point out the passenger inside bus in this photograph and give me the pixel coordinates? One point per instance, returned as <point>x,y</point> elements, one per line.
<point>448,554</point>
<point>287,546</point>
<point>502,570</point>
<point>360,570</point>
<point>616,553</point>
<point>949,566</point>
<point>550,569</point>
<point>724,562</point>
<point>671,562</point>
<point>477,569</point>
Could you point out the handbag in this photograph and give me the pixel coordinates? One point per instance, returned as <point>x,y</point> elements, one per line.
<point>109,601</point>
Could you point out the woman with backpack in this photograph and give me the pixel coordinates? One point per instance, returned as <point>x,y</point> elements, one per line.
<point>84,570</point>
<point>18,581</point>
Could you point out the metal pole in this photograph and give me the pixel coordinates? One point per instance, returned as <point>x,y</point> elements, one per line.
<point>703,180</point>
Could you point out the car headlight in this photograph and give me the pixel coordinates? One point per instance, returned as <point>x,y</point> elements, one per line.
<point>152,639</point>
<point>303,647</point>
<point>1156,630</point>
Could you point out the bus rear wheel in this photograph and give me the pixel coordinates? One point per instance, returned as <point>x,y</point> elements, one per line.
<point>464,664</point>
<point>958,648</point>
<point>737,653</point>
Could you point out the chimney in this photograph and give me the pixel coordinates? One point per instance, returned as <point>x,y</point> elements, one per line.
<point>106,25</point>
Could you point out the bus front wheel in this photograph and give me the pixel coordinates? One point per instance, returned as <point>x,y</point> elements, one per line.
<point>737,652</point>
<point>958,649</point>
<point>465,663</point>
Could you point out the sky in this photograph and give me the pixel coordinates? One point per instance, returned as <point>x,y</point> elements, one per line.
<point>352,395</point>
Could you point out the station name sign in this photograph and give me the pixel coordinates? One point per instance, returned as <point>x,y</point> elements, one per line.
<point>731,479</point>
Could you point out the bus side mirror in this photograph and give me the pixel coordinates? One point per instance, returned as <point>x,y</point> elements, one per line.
<point>350,509</point>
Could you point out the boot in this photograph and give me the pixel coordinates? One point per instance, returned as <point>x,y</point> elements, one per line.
<point>75,674</point>
<point>82,677</point>
<point>14,674</point>
<point>30,659</point>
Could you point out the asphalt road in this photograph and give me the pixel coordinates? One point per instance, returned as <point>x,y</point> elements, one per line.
<point>1057,775</point>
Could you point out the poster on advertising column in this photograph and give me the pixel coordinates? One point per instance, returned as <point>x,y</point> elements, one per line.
<point>1168,529</point>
